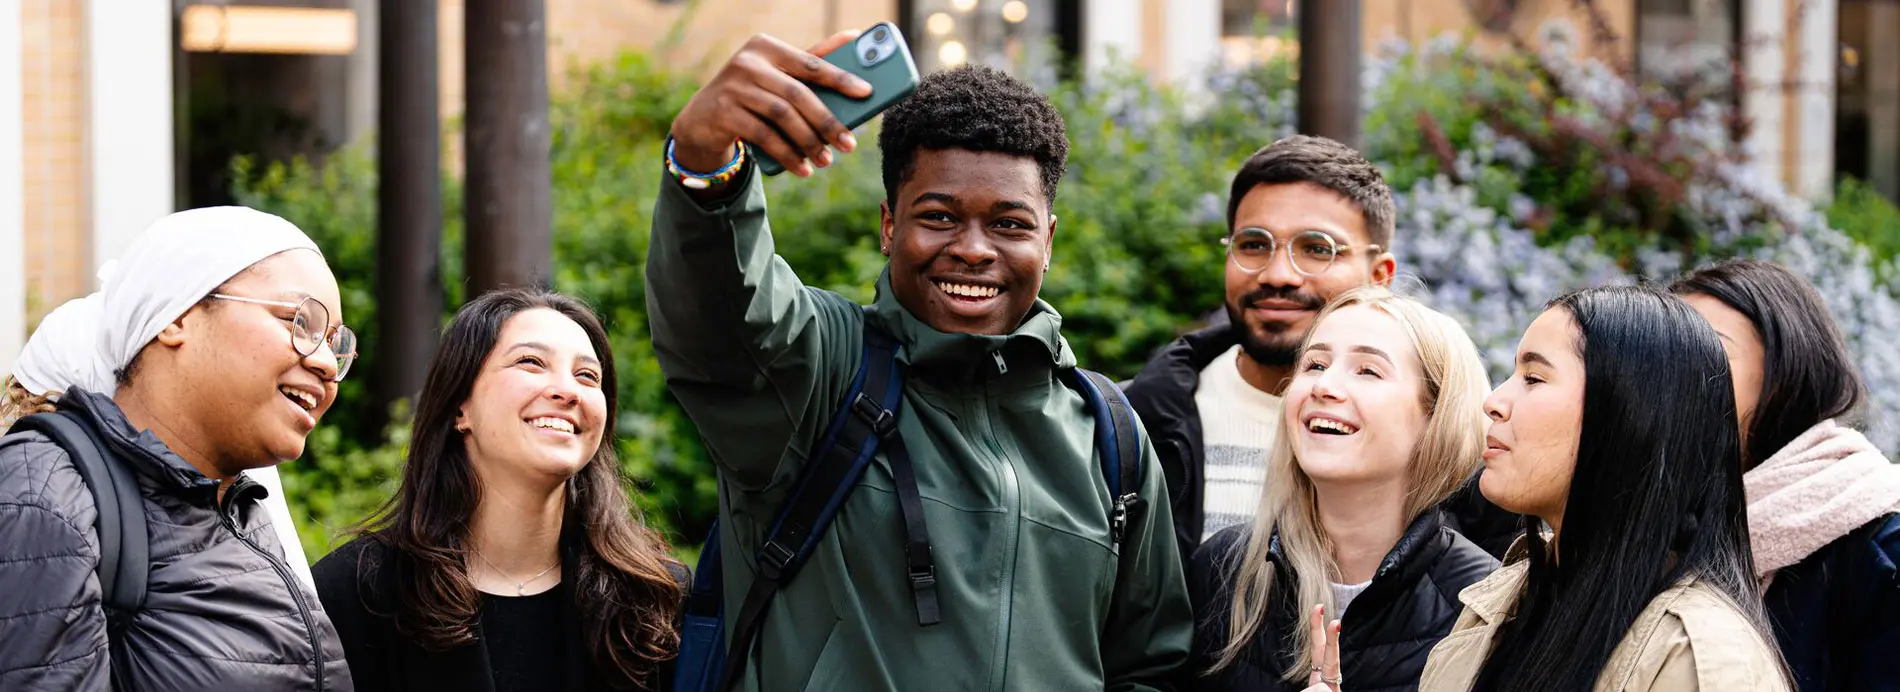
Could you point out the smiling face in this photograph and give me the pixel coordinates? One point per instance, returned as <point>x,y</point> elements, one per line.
<point>1275,307</point>
<point>969,239</point>
<point>249,399</point>
<point>537,411</point>
<point>1536,422</point>
<point>1356,403</point>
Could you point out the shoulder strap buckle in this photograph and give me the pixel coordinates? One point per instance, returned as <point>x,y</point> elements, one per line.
<point>881,420</point>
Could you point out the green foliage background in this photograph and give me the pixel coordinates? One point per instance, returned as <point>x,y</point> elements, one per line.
<point>1136,262</point>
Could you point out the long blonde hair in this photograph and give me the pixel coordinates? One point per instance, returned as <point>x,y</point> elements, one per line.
<point>1447,452</point>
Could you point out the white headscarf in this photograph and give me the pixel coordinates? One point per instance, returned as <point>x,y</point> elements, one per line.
<point>63,351</point>
<point>169,268</point>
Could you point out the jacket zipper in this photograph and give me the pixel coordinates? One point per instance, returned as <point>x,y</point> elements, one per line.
<point>1012,492</point>
<point>296,593</point>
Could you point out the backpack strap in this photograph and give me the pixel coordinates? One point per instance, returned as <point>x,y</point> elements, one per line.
<point>1118,440</point>
<point>866,421</point>
<point>702,623</point>
<point>125,550</point>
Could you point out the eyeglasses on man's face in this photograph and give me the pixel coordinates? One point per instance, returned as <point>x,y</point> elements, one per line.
<point>1311,253</point>
<point>311,328</point>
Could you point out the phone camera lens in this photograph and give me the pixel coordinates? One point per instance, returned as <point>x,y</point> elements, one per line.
<point>880,35</point>
<point>870,55</point>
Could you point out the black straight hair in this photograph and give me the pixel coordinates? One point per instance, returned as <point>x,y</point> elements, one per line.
<point>1655,497</point>
<point>1808,375</point>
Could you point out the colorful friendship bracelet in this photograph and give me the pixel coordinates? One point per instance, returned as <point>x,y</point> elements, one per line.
<point>702,181</point>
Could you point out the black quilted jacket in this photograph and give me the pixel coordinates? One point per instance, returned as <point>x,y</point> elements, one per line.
<point>223,610</point>
<point>1387,633</point>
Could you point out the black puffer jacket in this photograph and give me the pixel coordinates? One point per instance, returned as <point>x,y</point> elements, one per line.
<point>1163,395</point>
<point>223,610</point>
<point>1387,633</point>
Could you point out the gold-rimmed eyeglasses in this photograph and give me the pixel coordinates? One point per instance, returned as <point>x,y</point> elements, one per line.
<point>310,329</point>
<point>1310,252</point>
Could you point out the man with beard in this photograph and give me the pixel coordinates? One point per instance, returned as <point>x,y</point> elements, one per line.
<point>1308,219</point>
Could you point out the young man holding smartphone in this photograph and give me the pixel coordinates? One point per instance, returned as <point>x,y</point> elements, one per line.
<point>1036,587</point>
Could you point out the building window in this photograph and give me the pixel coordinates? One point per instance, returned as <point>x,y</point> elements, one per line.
<point>1021,36</point>
<point>1256,31</point>
<point>1867,116</point>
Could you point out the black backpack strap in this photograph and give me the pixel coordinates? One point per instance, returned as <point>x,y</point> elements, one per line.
<point>1118,440</point>
<point>125,550</point>
<point>918,561</point>
<point>867,420</point>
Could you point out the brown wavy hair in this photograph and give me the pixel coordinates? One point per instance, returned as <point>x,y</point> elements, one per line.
<point>17,402</point>
<point>625,593</point>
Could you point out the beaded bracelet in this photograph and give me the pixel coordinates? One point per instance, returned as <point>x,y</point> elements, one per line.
<point>701,181</point>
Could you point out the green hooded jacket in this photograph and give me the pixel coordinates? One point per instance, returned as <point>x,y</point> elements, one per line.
<point>1034,595</point>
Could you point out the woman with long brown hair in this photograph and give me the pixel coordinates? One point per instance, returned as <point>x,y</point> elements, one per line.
<point>510,557</point>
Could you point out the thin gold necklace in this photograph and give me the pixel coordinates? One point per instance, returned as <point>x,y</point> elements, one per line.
<point>521,587</point>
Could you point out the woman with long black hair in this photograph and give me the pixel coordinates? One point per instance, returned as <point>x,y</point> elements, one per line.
<point>1822,499</point>
<point>1617,430</point>
<point>510,557</point>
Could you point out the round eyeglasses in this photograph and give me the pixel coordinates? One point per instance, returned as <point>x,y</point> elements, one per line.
<point>1310,252</point>
<point>310,329</point>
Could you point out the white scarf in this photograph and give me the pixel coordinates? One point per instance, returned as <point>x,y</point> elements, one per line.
<point>171,266</point>
<point>1820,487</point>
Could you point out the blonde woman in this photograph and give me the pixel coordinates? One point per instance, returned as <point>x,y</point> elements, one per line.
<point>1384,418</point>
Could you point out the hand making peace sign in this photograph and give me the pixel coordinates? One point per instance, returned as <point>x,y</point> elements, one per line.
<point>1324,639</point>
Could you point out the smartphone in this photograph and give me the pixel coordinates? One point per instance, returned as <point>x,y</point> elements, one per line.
<point>879,56</point>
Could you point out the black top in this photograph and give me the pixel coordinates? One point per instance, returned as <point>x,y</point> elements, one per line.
<point>1163,395</point>
<point>358,584</point>
<point>525,640</point>
<point>1387,633</point>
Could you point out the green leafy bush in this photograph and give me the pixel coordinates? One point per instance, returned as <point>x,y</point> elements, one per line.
<point>1859,211</point>
<point>1531,154</point>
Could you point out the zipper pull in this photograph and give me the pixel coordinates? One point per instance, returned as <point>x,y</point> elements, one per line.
<point>1001,366</point>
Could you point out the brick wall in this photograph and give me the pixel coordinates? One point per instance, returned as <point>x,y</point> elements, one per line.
<point>53,85</point>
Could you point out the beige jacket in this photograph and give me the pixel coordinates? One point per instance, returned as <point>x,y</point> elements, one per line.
<point>1689,639</point>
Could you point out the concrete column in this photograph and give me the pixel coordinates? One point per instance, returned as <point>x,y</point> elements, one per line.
<point>1881,61</point>
<point>12,194</point>
<point>1110,29</point>
<point>1820,48</point>
<point>1764,63</point>
<point>129,120</point>
<point>1192,32</point>
<point>360,120</point>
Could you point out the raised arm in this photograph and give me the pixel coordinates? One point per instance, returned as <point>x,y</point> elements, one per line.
<point>753,354</point>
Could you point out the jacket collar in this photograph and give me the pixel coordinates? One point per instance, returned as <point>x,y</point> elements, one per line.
<point>1420,546</point>
<point>1164,389</point>
<point>1036,342</point>
<point>1494,598</point>
<point>1175,372</point>
<point>146,453</point>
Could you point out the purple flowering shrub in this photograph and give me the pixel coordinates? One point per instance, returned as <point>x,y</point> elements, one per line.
<point>1522,176</point>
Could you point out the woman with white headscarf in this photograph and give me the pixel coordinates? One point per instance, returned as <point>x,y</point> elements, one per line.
<point>216,344</point>
<point>63,354</point>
